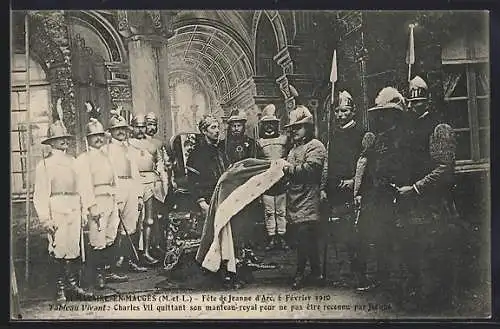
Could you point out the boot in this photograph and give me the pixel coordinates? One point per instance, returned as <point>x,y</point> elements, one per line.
<point>282,242</point>
<point>150,260</point>
<point>73,287</point>
<point>133,267</point>
<point>60,293</point>
<point>100,282</point>
<point>271,244</point>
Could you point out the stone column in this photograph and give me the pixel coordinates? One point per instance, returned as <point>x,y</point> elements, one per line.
<point>194,111</point>
<point>175,123</point>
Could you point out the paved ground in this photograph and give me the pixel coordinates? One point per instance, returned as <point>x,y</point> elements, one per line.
<point>188,297</point>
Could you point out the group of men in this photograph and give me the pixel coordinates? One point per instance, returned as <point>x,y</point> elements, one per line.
<point>116,188</point>
<point>385,193</point>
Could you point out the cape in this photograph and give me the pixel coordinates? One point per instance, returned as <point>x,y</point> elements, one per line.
<point>241,184</point>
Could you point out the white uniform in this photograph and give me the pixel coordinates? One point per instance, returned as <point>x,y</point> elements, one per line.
<point>99,187</point>
<point>57,202</point>
<point>129,187</point>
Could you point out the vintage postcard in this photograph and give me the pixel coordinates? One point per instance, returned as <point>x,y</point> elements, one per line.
<point>250,164</point>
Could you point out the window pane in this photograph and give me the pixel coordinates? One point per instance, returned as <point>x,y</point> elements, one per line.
<point>14,141</point>
<point>483,112</point>
<point>463,145</point>
<point>457,113</point>
<point>17,164</point>
<point>484,143</point>
<point>455,81</point>
<point>482,79</point>
<point>16,118</point>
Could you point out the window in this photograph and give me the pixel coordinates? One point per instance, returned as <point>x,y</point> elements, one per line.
<point>466,94</point>
<point>40,119</point>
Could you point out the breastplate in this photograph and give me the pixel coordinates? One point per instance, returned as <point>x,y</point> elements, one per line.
<point>145,160</point>
<point>273,148</point>
<point>121,163</point>
<point>63,178</point>
<point>101,170</point>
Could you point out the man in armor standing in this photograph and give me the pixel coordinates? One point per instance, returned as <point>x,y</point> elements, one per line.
<point>386,156</point>
<point>150,164</point>
<point>130,191</point>
<point>338,178</point>
<point>272,146</point>
<point>57,200</point>
<point>428,230</point>
<point>99,182</point>
<point>238,145</point>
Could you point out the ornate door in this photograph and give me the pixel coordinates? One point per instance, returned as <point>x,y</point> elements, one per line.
<point>90,76</point>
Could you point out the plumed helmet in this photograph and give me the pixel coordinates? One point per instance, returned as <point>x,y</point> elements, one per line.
<point>345,100</point>
<point>389,98</point>
<point>151,118</point>
<point>116,120</point>
<point>418,89</point>
<point>94,127</point>
<point>300,115</point>
<point>237,115</point>
<point>138,121</point>
<point>268,114</point>
<point>56,130</point>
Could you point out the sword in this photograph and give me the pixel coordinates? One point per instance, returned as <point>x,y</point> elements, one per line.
<point>136,255</point>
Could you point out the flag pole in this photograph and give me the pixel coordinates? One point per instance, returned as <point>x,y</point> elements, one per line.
<point>410,59</point>
<point>28,144</point>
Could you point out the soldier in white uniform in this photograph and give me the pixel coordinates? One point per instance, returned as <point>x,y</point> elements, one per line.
<point>272,146</point>
<point>147,156</point>
<point>58,205</point>
<point>129,189</point>
<point>99,190</point>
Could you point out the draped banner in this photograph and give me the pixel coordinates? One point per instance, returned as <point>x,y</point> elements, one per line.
<point>239,186</point>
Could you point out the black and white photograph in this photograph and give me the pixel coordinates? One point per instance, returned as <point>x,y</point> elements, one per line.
<point>250,164</point>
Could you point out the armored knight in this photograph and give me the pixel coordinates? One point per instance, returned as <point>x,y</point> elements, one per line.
<point>431,219</point>
<point>99,189</point>
<point>57,201</point>
<point>150,164</point>
<point>129,192</point>
<point>238,145</point>
<point>272,146</point>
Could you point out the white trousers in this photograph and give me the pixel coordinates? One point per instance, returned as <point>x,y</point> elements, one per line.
<point>275,213</point>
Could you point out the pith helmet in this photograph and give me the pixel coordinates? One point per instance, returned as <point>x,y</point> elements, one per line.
<point>389,98</point>
<point>418,89</point>
<point>116,121</point>
<point>56,130</point>
<point>151,118</point>
<point>268,114</point>
<point>345,100</point>
<point>237,115</point>
<point>138,121</point>
<point>94,127</point>
<point>301,115</point>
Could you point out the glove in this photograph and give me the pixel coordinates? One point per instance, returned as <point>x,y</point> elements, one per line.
<point>323,196</point>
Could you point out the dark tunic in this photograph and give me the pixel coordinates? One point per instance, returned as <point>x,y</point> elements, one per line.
<point>206,163</point>
<point>239,148</point>
<point>343,153</point>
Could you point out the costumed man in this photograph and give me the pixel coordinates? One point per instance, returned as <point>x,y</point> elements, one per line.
<point>338,177</point>
<point>303,170</point>
<point>57,201</point>
<point>384,163</point>
<point>429,229</point>
<point>164,167</point>
<point>130,192</point>
<point>99,182</point>
<point>205,165</point>
<point>153,175</point>
<point>272,146</point>
<point>238,145</point>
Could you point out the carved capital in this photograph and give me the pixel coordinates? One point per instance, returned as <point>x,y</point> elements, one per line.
<point>120,92</point>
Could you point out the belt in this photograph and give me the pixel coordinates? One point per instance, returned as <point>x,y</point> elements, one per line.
<point>104,194</point>
<point>104,184</point>
<point>63,193</point>
<point>146,171</point>
<point>124,177</point>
